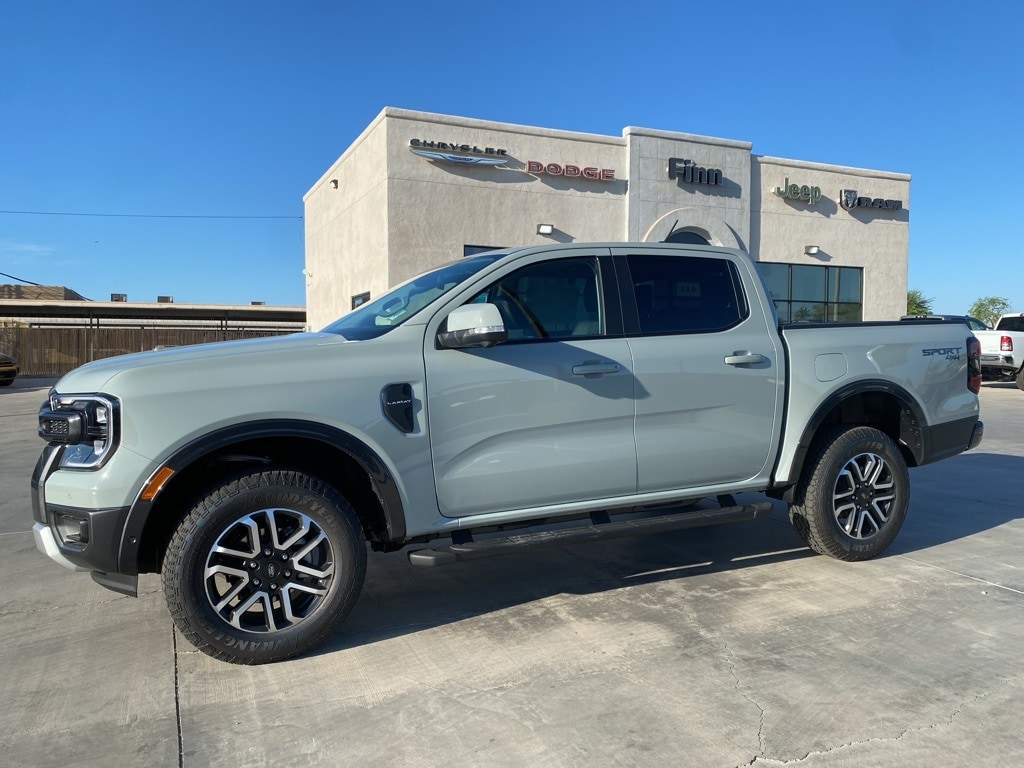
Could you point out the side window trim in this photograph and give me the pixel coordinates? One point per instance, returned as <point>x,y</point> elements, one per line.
<point>624,282</point>
<point>611,296</point>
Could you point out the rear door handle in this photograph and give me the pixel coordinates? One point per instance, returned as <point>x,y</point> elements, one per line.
<point>588,369</point>
<point>745,359</point>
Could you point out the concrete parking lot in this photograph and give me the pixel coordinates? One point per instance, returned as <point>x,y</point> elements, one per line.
<point>727,646</point>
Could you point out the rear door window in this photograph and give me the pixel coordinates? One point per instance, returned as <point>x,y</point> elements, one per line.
<point>685,294</point>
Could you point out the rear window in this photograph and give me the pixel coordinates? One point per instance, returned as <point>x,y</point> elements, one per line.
<point>1010,324</point>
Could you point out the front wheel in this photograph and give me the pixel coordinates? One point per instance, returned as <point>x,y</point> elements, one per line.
<point>265,567</point>
<point>853,496</point>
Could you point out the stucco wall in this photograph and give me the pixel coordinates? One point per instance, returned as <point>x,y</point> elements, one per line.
<point>435,208</point>
<point>719,212</point>
<point>873,238</point>
<point>346,228</point>
<point>392,213</point>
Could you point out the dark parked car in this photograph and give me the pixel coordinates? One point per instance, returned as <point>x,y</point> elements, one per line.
<point>8,370</point>
<point>971,322</point>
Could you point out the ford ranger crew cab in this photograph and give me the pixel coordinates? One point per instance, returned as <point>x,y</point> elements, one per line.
<point>564,392</point>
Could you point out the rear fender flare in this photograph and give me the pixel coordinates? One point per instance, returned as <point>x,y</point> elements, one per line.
<point>911,436</point>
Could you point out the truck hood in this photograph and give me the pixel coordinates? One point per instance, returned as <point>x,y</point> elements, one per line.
<point>99,376</point>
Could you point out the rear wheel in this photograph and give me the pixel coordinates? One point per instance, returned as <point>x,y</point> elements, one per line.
<point>1020,379</point>
<point>854,494</point>
<point>265,567</point>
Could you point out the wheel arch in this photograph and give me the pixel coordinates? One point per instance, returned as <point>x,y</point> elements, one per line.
<point>883,405</point>
<point>335,456</point>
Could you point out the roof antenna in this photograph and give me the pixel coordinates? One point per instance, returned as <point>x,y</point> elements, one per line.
<point>673,229</point>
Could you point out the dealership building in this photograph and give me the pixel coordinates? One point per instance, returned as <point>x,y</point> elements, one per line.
<point>417,189</point>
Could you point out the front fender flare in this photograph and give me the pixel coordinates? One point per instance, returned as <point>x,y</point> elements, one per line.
<point>381,478</point>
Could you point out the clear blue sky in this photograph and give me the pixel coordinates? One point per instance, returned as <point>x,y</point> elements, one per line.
<point>233,109</point>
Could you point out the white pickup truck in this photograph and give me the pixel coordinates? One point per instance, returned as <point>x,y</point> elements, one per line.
<point>1002,350</point>
<point>601,386</point>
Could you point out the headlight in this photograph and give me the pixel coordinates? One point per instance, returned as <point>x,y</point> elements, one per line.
<point>86,425</point>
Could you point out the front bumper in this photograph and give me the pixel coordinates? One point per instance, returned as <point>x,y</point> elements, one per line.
<point>78,538</point>
<point>46,543</point>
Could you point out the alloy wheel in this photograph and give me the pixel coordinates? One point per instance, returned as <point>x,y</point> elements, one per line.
<point>864,493</point>
<point>269,570</point>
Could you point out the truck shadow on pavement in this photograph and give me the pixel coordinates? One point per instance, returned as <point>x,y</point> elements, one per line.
<point>952,500</point>
<point>959,497</point>
<point>399,598</point>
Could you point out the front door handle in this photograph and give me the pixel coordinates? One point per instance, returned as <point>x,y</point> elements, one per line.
<point>745,358</point>
<point>589,369</point>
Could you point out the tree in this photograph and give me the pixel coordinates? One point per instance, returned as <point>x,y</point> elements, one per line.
<point>989,308</point>
<point>917,304</point>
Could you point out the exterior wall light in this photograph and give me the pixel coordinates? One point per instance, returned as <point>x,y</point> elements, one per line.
<point>545,229</point>
<point>811,250</point>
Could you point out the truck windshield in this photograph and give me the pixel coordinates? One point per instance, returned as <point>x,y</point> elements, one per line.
<point>399,304</point>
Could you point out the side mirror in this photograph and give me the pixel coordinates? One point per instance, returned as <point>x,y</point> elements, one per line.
<point>473,325</point>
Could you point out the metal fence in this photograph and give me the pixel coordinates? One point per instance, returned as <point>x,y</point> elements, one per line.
<point>55,351</point>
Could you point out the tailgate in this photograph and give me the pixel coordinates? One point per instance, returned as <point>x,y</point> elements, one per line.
<point>989,341</point>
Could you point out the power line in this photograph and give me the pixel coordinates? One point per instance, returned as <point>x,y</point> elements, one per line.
<point>143,215</point>
<point>20,280</point>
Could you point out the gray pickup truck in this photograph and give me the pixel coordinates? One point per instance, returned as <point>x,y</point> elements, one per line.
<point>567,392</point>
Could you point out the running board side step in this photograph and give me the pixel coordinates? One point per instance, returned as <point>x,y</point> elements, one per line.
<point>472,550</point>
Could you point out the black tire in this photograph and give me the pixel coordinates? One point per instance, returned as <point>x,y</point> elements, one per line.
<point>251,602</point>
<point>1020,379</point>
<point>6,382</point>
<point>853,495</point>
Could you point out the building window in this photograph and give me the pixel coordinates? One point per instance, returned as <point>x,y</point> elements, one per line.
<point>473,250</point>
<point>360,298</point>
<point>808,293</point>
